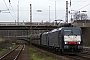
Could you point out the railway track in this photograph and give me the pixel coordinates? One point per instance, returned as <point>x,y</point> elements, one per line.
<point>13,54</point>
<point>80,56</point>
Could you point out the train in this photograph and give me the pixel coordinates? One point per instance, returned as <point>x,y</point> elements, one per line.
<point>63,40</point>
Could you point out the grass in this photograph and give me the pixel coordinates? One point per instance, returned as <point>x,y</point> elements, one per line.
<point>33,50</point>
<point>2,51</point>
<point>33,53</point>
<point>50,58</point>
<point>34,57</point>
<point>38,55</point>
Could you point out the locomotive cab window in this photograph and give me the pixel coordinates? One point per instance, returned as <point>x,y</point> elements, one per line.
<point>76,32</point>
<point>72,32</point>
<point>67,32</point>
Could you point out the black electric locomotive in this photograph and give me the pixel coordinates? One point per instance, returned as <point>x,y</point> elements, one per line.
<point>64,39</point>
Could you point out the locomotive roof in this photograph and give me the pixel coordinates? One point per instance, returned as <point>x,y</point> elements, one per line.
<point>58,29</point>
<point>54,30</point>
<point>45,33</point>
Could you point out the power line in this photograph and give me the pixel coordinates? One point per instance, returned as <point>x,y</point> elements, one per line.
<point>12,9</point>
<point>8,9</point>
<point>81,1</point>
<point>5,4</point>
<point>58,15</point>
<point>84,6</point>
<point>78,2</point>
<point>12,16</point>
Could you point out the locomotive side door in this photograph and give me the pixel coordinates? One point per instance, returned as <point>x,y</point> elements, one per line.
<point>47,39</point>
<point>60,39</point>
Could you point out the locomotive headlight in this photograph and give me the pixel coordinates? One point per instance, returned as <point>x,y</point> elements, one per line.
<point>66,42</point>
<point>78,42</point>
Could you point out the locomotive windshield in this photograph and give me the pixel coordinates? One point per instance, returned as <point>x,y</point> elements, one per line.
<point>72,32</point>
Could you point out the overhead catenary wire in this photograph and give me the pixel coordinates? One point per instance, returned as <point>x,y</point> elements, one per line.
<point>50,10</point>
<point>75,4</point>
<point>84,6</point>
<point>8,10</point>
<point>81,7</point>
<point>12,9</point>
<point>81,1</point>
<point>78,2</point>
<point>53,19</point>
<point>5,5</point>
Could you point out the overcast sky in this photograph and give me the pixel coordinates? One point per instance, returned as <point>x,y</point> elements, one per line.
<point>77,5</point>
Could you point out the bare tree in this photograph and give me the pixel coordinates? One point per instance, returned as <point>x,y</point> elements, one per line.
<point>76,15</point>
<point>80,16</point>
<point>84,16</point>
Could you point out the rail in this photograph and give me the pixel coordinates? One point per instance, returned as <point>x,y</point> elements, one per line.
<point>5,57</point>
<point>8,53</point>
